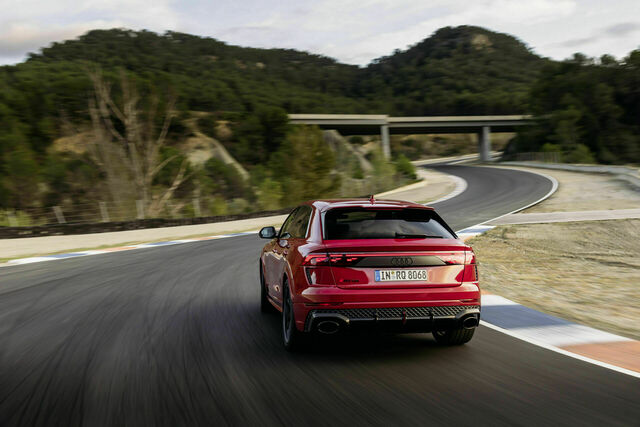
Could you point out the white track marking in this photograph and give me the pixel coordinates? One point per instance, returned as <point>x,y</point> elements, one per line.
<point>79,254</point>
<point>31,260</point>
<point>561,351</point>
<point>461,187</point>
<point>570,334</point>
<point>494,300</point>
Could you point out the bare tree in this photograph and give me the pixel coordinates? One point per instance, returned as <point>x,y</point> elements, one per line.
<point>126,144</point>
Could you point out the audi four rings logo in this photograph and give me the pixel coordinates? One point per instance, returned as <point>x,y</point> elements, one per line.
<point>401,262</point>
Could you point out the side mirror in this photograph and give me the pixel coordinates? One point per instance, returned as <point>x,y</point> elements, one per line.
<point>268,232</point>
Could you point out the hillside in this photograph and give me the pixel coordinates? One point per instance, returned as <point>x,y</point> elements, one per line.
<point>239,98</point>
<point>463,70</point>
<point>467,63</point>
<point>207,73</point>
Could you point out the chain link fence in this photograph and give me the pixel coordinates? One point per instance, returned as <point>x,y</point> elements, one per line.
<point>544,157</point>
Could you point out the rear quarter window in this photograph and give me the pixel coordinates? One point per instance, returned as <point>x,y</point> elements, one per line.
<point>368,223</point>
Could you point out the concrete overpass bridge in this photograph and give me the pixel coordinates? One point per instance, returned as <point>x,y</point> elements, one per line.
<point>368,124</point>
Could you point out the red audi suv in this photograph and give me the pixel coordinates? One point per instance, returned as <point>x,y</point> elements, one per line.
<point>338,265</point>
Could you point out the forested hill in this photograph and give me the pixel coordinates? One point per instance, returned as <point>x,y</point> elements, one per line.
<point>463,70</point>
<point>207,74</point>
<point>586,111</point>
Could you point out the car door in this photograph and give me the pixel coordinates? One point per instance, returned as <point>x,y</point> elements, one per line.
<point>297,230</point>
<point>291,236</point>
<point>273,260</point>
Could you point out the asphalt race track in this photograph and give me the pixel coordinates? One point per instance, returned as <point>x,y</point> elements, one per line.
<point>490,192</point>
<point>174,336</point>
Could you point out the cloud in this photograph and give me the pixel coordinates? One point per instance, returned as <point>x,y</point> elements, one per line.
<point>416,24</point>
<point>622,29</point>
<point>352,31</point>
<point>33,24</point>
<point>578,42</point>
<point>19,38</point>
<point>357,31</point>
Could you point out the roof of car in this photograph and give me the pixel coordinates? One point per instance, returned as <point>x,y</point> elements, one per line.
<point>326,204</point>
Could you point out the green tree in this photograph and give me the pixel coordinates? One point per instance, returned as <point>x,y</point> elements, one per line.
<point>588,108</point>
<point>261,134</point>
<point>226,179</point>
<point>566,127</point>
<point>21,177</point>
<point>305,166</point>
<point>269,195</point>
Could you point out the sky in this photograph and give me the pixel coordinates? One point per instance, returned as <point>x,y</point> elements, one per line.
<point>352,31</point>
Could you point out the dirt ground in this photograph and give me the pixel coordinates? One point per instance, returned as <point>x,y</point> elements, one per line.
<point>586,192</point>
<point>587,272</point>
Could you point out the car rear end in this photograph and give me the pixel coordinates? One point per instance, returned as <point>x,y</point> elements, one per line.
<point>388,265</point>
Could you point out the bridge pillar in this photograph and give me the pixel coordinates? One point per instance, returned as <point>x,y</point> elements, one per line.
<point>386,146</point>
<point>484,144</point>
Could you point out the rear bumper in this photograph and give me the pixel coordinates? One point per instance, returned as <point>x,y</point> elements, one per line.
<point>404,319</point>
<point>419,309</point>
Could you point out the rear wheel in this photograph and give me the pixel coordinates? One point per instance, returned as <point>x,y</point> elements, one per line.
<point>455,336</point>
<point>291,337</point>
<point>265,305</point>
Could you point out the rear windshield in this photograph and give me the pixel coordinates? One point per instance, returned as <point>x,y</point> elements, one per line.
<point>366,223</point>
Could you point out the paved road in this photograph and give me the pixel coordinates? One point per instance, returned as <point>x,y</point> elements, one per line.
<point>490,192</point>
<point>173,336</point>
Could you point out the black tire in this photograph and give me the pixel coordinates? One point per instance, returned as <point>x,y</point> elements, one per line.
<point>292,339</point>
<point>265,305</point>
<point>455,336</point>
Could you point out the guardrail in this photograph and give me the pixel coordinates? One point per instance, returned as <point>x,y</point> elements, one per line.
<point>625,173</point>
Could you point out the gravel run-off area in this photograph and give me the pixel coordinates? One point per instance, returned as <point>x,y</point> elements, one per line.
<point>586,192</point>
<point>587,272</point>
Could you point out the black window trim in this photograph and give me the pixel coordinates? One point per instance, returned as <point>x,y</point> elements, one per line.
<point>308,214</point>
<point>292,216</point>
<point>435,214</point>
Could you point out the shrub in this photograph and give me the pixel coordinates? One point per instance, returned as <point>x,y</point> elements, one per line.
<point>226,179</point>
<point>356,170</point>
<point>580,154</point>
<point>269,195</point>
<point>404,167</point>
<point>207,125</point>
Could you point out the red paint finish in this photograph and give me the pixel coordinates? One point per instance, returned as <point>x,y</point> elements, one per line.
<point>324,273</point>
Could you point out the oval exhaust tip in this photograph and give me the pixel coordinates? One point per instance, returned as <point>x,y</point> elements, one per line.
<point>470,322</point>
<point>328,327</point>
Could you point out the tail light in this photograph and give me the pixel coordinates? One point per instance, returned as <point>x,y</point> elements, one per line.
<point>316,271</point>
<point>456,258</point>
<point>470,268</point>
<point>467,259</point>
<point>336,260</point>
<point>317,274</point>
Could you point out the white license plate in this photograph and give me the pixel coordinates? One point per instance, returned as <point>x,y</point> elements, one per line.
<point>401,275</point>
